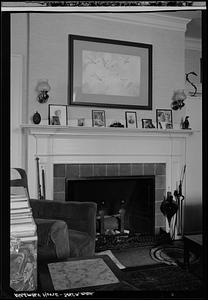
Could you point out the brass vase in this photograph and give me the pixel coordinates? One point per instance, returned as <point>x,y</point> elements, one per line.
<point>169,207</point>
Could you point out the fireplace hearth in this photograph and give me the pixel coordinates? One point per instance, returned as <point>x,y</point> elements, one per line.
<point>126,241</point>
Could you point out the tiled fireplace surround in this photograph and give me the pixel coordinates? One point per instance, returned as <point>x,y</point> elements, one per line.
<point>75,171</point>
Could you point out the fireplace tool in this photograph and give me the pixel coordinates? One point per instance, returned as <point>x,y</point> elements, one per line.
<point>179,199</point>
<point>40,196</point>
<point>169,208</point>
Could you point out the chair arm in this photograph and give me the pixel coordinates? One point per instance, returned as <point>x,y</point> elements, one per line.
<point>53,232</point>
<point>78,215</point>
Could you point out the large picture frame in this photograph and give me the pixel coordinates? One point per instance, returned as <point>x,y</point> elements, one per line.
<point>109,73</point>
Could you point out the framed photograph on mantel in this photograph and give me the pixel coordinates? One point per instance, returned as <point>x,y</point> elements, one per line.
<point>147,123</point>
<point>109,73</point>
<point>164,118</point>
<point>98,118</point>
<point>57,114</point>
<point>131,119</point>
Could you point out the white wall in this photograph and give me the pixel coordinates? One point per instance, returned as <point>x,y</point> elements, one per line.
<point>193,201</point>
<point>49,58</point>
<point>192,63</point>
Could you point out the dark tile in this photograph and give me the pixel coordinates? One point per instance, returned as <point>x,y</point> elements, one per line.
<point>59,184</point>
<point>125,170</point>
<point>86,170</point>
<point>72,170</point>
<point>157,207</point>
<point>149,169</point>
<point>159,220</point>
<point>138,169</point>
<point>59,170</point>
<point>59,197</point>
<point>159,228</point>
<point>160,182</point>
<point>160,169</point>
<point>112,170</point>
<point>100,170</point>
<point>159,195</point>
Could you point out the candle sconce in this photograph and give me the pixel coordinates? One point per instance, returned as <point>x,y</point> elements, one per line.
<point>178,98</point>
<point>43,88</point>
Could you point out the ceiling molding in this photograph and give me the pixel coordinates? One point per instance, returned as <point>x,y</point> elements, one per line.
<point>156,20</point>
<point>193,44</point>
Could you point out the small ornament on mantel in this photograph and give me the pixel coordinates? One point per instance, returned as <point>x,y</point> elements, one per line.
<point>36,118</point>
<point>116,124</point>
<point>185,124</point>
<point>80,122</point>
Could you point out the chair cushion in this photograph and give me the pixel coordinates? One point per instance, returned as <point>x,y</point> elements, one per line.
<point>81,244</point>
<point>53,238</point>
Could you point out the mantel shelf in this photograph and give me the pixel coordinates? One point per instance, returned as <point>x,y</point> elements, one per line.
<point>60,131</point>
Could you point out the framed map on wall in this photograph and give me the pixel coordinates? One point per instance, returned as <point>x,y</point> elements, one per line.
<point>109,73</point>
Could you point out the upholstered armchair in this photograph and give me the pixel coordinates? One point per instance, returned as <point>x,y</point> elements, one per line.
<point>64,229</point>
<point>80,218</point>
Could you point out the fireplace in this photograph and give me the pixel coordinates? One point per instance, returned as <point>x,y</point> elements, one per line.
<point>143,181</point>
<point>75,152</point>
<point>135,193</point>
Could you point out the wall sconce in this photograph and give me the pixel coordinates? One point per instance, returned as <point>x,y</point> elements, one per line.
<point>194,86</point>
<point>178,99</point>
<point>43,88</point>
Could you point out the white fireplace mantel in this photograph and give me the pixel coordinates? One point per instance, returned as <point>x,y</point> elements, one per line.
<point>54,144</point>
<point>60,131</point>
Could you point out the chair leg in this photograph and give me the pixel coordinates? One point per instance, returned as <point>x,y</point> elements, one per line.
<point>122,214</point>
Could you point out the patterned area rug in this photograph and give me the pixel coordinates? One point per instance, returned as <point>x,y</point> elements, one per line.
<point>164,278</point>
<point>135,257</point>
<point>171,255</point>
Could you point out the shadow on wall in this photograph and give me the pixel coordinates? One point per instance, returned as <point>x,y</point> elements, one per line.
<point>193,222</point>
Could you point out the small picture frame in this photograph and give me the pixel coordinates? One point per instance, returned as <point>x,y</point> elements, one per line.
<point>57,114</point>
<point>147,123</point>
<point>131,119</point>
<point>98,118</point>
<point>164,118</point>
<point>81,122</point>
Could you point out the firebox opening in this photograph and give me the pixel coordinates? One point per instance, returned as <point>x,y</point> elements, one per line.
<point>137,193</point>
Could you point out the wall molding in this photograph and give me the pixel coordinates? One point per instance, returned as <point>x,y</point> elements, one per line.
<point>155,20</point>
<point>37,8</point>
<point>16,110</point>
<point>57,131</point>
<point>193,44</point>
